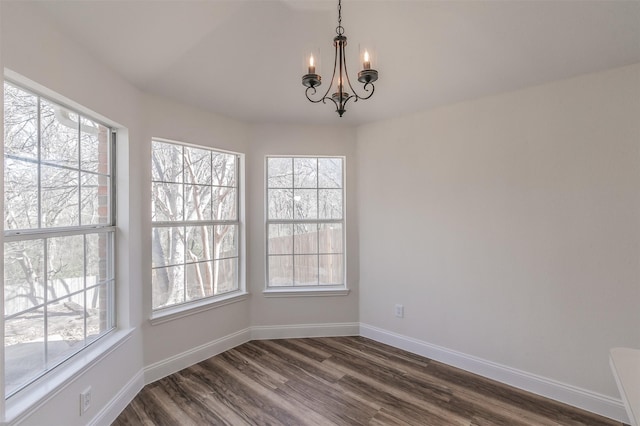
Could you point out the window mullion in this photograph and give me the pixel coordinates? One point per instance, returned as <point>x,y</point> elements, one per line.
<point>85,308</point>
<point>45,309</point>
<point>39,153</point>
<point>79,162</point>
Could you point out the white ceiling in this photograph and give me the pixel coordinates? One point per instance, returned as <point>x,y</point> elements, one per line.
<point>244,59</point>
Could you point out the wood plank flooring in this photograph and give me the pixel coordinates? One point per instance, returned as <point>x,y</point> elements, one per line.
<point>337,381</point>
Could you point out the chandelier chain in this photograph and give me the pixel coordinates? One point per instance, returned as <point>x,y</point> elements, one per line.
<point>339,28</point>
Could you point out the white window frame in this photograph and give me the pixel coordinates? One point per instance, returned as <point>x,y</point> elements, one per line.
<point>18,404</point>
<point>180,310</point>
<point>311,290</point>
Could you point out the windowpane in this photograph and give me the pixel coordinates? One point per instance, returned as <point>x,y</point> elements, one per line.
<point>224,169</point>
<point>330,173</point>
<point>330,203</point>
<point>330,238</point>
<point>98,247</point>
<point>65,265</point>
<point>20,123</point>
<point>59,197</point>
<point>305,172</point>
<point>331,269</point>
<point>305,270</point>
<point>280,172</point>
<point>224,203</point>
<point>280,239</point>
<point>280,270</point>
<point>199,280</point>
<point>166,202</point>
<point>24,349</point>
<point>60,135</point>
<point>305,204</point>
<point>198,203</point>
<point>305,239</point>
<point>23,275</point>
<point>20,194</point>
<point>280,203</point>
<point>95,194</point>
<point>167,286</point>
<point>94,147</point>
<point>99,318</point>
<point>226,275</point>
<point>197,163</point>
<point>65,328</point>
<point>166,162</point>
<point>167,246</point>
<point>225,241</point>
<point>199,240</point>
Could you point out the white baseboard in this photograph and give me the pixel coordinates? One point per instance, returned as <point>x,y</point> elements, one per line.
<point>304,330</point>
<point>119,402</point>
<point>562,392</point>
<point>168,366</point>
<point>160,369</point>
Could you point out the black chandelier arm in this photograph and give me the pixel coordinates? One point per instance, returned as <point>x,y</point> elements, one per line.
<point>355,93</point>
<point>364,98</point>
<point>355,97</point>
<point>306,92</point>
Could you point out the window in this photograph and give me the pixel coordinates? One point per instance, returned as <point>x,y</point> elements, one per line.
<point>195,217</point>
<point>305,222</point>
<point>58,234</point>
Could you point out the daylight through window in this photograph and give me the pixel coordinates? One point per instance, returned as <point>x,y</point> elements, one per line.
<point>195,215</point>
<point>305,221</point>
<point>58,234</point>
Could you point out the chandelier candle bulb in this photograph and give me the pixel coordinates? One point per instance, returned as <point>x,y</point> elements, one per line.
<point>366,63</point>
<point>312,67</point>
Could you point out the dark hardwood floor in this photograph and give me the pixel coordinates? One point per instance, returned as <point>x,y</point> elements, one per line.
<point>337,380</point>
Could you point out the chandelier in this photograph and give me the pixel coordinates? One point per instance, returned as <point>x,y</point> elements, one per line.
<point>344,91</point>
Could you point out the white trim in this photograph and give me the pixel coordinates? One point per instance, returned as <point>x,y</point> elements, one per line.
<point>625,365</point>
<point>585,399</point>
<point>175,363</point>
<point>29,400</point>
<point>264,332</point>
<point>185,310</point>
<point>304,292</point>
<point>119,402</point>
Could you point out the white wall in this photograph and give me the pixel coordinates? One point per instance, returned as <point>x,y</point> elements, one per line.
<point>299,140</point>
<point>509,226</point>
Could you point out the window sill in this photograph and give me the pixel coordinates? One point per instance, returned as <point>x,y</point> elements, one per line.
<point>37,393</point>
<point>181,311</point>
<point>305,292</point>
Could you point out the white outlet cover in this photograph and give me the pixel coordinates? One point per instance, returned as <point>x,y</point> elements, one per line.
<point>85,400</point>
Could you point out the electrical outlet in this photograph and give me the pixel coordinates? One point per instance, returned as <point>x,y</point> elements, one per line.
<point>85,400</point>
<point>399,311</point>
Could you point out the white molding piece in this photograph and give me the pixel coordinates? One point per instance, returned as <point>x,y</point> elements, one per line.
<point>562,392</point>
<point>160,369</point>
<point>193,308</point>
<point>264,332</point>
<point>119,402</point>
